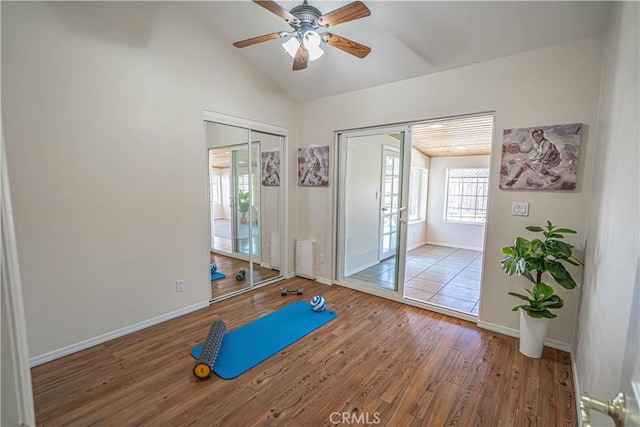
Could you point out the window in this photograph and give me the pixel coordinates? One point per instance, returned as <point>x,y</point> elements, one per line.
<point>243,183</point>
<point>466,197</point>
<point>215,187</point>
<point>418,195</point>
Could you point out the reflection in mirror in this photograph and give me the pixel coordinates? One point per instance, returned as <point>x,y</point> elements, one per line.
<point>244,207</point>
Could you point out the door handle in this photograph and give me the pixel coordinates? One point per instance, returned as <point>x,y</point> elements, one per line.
<point>615,408</point>
<point>400,210</point>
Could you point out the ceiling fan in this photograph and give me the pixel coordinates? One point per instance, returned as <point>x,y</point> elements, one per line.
<point>304,40</point>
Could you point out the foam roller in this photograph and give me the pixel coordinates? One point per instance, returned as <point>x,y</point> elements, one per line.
<point>204,365</point>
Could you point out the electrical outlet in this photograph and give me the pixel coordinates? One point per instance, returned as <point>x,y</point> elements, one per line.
<point>180,285</point>
<point>321,258</point>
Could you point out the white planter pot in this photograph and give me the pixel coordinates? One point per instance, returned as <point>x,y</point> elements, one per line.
<point>532,334</point>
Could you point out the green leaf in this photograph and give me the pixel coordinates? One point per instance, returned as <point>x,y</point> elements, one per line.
<point>509,265</point>
<point>560,274</point>
<point>542,290</point>
<point>508,250</point>
<point>522,246</point>
<point>554,302</point>
<point>534,228</point>
<point>522,297</point>
<point>560,248</point>
<point>565,230</point>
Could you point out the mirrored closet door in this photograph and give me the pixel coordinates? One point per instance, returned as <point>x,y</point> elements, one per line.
<point>245,212</point>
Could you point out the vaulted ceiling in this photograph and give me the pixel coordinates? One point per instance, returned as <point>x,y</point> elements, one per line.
<point>407,38</point>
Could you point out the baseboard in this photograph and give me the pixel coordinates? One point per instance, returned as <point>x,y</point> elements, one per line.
<point>290,275</point>
<point>73,348</point>
<point>558,345</point>
<point>417,245</point>
<point>576,388</point>
<point>324,281</point>
<point>265,265</point>
<point>451,245</point>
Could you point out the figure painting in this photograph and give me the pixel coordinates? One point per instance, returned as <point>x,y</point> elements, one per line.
<point>313,166</point>
<point>540,158</point>
<point>271,168</point>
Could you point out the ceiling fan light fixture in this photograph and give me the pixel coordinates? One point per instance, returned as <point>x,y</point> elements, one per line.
<point>311,41</point>
<point>291,46</point>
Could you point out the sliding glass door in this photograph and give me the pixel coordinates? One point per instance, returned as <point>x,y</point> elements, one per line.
<point>245,197</point>
<point>373,176</point>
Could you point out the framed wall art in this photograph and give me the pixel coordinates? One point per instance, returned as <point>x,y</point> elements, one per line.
<point>313,166</point>
<point>540,158</point>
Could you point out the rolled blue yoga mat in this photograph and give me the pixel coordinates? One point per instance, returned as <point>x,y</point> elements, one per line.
<point>245,347</point>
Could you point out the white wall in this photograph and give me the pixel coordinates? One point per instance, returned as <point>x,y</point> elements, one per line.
<point>102,104</point>
<point>613,234</point>
<point>440,232</point>
<point>417,231</point>
<point>549,86</point>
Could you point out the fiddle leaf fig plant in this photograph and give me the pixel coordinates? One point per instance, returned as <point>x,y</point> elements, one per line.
<point>532,259</point>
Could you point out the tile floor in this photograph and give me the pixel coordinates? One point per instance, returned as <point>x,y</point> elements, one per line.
<point>439,275</point>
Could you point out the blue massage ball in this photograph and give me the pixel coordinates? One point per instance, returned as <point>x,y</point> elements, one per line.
<point>214,267</point>
<point>317,303</point>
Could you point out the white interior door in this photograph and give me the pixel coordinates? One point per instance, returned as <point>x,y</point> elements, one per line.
<point>389,202</point>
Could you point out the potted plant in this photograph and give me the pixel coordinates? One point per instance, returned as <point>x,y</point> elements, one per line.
<point>534,259</point>
<point>243,205</point>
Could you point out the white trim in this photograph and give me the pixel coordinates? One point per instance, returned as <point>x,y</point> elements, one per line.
<point>558,345</point>
<point>13,304</point>
<point>577,391</point>
<point>452,245</point>
<point>324,281</point>
<point>211,116</point>
<point>290,275</point>
<point>417,245</point>
<point>55,354</point>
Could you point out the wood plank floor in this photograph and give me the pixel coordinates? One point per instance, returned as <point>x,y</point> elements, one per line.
<point>380,362</point>
<point>230,266</point>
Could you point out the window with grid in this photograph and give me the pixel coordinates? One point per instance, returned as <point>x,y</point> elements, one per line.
<point>466,197</point>
<point>243,183</point>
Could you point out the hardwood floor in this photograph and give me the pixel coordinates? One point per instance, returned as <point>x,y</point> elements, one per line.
<point>378,361</point>
<point>230,266</point>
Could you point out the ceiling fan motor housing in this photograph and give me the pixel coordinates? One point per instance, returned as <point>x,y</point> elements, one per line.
<point>307,15</point>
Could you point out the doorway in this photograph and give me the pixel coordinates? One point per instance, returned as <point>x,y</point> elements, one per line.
<point>412,204</point>
<point>246,215</point>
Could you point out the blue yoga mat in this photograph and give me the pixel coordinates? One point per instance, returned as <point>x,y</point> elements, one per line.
<point>216,276</point>
<point>245,347</point>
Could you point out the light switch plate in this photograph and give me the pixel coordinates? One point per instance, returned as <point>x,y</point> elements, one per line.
<point>520,208</point>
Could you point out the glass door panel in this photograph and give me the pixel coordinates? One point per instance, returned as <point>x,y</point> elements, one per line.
<point>371,174</point>
<point>245,197</point>
<point>228,171</point>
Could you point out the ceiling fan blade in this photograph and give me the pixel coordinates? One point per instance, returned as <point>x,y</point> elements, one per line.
<point>350,12</point>
<point>349,46</point>
<point>276,9</point>
<point>256,40</point>
<point>301,59</point>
